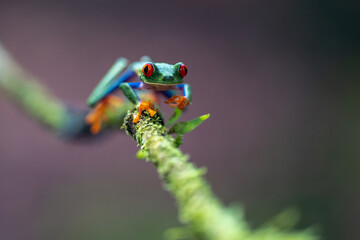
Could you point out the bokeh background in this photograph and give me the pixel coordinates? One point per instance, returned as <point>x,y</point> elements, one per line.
<point>280,79</point>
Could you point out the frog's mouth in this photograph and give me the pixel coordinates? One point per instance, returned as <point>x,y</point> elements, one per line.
<point>160,86</point>
<point>169,81</point>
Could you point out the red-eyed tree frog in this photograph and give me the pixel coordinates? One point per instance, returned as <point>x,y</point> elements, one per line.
<point>159,77</point>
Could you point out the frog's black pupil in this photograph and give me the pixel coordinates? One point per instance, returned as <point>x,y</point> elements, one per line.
<point>185,68</point>
<point>146,69</point>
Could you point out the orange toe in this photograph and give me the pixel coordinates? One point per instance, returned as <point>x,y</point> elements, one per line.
<point>144,106</point>
<point>95,127</point>
<point>178,101</point>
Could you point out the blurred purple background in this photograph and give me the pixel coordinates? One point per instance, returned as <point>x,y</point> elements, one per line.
<point>280,79</point>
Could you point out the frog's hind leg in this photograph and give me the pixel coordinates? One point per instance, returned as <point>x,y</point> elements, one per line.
<point>110,81</point>
<point>98,115</point>
<point>101,99</point>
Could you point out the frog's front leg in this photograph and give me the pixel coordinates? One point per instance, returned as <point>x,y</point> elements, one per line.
<point>128,90</point>
<point>179,101</point>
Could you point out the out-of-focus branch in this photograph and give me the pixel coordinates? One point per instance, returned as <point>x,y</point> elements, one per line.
<point>29,94</point>
<point>47,109</point>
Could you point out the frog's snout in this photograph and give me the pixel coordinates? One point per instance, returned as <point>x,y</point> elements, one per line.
<point>168,79</point>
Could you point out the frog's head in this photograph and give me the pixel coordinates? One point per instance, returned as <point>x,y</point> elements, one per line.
<point>163,73</point>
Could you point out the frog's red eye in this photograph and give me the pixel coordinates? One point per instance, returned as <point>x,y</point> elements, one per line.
<point>148,69</point>
<point>183,70</point>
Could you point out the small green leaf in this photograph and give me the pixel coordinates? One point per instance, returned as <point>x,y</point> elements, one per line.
<point>141,154</point>
<point>174,117</point>
<point>178,140</point>
<point>185,127</point>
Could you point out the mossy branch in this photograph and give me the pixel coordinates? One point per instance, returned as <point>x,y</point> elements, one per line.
<point>206,217</point>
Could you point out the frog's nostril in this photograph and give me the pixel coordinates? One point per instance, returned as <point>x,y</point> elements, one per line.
<point>168,78</point>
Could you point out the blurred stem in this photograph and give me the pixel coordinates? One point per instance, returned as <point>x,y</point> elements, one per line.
<point>29,94</point>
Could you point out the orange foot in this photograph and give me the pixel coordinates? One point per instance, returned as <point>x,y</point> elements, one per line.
<point>96,117</point>
<point>148,106</point>
<point>178,101</point>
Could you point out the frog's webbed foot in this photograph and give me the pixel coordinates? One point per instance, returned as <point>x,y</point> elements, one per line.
<point>178,101</point>
<point>98,115</point>
<point>144,106</point>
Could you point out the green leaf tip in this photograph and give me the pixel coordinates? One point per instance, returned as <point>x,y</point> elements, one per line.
<point>204,117</point>
<point>185,127</point>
